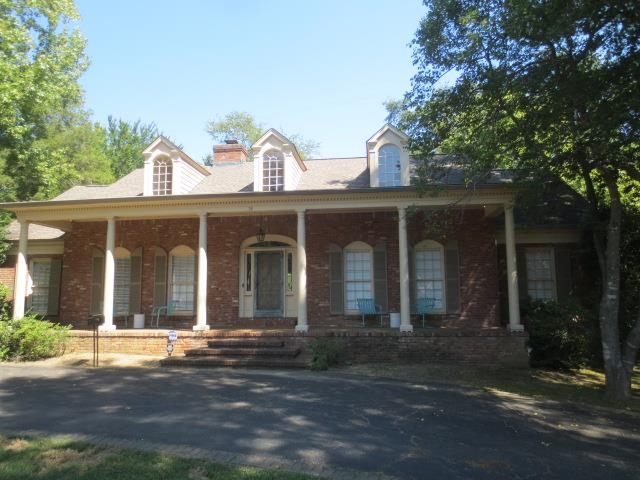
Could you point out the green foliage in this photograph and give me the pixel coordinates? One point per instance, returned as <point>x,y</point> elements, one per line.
<point>41,59</point>
<point>29,338</point>
<point>326,352</point>
<point>244,128</point>
<point>561,336</point>
<point>124,143</point>
<point>539,88</point>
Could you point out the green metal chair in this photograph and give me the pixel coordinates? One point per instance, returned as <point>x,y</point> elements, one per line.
<point>424,306</point>
<point>367,306</point>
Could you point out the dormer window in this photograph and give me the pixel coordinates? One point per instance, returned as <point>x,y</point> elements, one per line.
<point>273,171</point>
<point>162,176</point>
<point>389,166</point>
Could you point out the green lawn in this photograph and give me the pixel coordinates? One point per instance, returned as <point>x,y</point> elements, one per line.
<point>58,458</point>
<point>583,385</point>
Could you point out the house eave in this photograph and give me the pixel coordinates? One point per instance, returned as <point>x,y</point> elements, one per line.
<point>247,202</point>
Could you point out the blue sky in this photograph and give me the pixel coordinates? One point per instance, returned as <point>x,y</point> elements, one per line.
<point>318,68</point>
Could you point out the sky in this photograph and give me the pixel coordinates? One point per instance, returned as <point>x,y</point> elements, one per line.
<point>317,68</point>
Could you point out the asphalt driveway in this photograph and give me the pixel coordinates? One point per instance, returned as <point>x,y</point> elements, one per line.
<point>329,424</point>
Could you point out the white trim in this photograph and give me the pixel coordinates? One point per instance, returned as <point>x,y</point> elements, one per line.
<point>426,246</point>
<point>552,270</point>
<point>356,247</point>
<point>181,251</point>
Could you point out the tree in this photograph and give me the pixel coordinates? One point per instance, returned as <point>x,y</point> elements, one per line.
<point>540,87</point>
<point>41,59</point>
<point>244,128</point>
<point>124,143</point>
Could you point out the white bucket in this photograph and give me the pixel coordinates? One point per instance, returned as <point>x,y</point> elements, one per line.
<point>138,320</point>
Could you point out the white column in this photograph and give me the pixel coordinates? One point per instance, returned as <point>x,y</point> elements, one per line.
<point>302,325</point>
<point>512,270</point>
<point>405,302</point>
<point>201,312</point>
<point>22,270</point>
<point>109,276</point>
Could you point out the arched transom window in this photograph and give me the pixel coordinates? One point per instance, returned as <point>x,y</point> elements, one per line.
<point>272,171</point>
<point>389,166</point>
<point>162,176</point>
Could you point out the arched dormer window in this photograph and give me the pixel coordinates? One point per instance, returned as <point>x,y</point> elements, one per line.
<point>162,176</point>
<point>389,166</point>
<point>273,171</point>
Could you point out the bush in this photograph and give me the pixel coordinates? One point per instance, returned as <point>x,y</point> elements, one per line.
<point>327,352</point>
<point>31,338</point>
<point>561,336</point>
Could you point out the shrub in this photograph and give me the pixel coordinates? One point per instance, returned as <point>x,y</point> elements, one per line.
<point>31,338</point>
<point>560,335</point>
<point>327,352</point>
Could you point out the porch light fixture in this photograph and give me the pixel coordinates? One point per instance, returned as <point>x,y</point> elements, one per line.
<point>261,234</point>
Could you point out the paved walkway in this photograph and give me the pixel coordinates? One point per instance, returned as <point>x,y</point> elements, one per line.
<point>327,424</point>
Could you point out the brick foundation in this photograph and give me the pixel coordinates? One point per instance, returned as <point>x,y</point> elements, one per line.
<point>487,347</point>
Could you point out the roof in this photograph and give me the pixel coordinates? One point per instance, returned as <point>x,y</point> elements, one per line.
<point>130,185</point>
<point>36,232</point>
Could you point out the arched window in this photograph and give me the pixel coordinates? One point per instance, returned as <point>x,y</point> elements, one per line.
<point>162,176</point>
<point>430,272</point>
<point>389,166</point>
<point>272,171</point>
<point>182,279</point>
<point>358,274</point>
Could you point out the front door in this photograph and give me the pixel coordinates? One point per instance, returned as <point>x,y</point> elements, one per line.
<point>269,295</point>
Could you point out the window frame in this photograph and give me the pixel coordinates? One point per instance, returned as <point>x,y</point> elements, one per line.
<point>551,278</point>
<point>162,176</point>
<point>385,169</point>
<point>121,283</point>
<point>351,249</point>
<point>36,285</point>
<point>273,161</point>
<point>431,246</point>
<point>181,251</point>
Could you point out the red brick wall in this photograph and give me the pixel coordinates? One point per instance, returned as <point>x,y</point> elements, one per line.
<point>478,268</point>
<point>8,275</point>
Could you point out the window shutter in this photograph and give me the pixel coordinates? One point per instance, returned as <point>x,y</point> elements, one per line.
<point>54,286</point>
<point>135,281</point>
<point>563,273</point>
<point>160,279</point>
<point>97,279</point>
<point>452,273</point>
<point>336,289</point>
<point>380,276</point>
<point>521,264</point>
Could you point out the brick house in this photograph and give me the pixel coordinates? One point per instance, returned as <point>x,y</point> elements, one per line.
<point>281,242</point>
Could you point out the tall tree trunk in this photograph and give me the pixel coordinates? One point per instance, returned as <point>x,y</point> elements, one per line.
<point>617,378</point>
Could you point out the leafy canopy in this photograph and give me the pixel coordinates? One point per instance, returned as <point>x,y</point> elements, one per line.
<point>244,128</point>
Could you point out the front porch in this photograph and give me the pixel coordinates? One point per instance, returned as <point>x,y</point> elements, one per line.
<point>495,346</point>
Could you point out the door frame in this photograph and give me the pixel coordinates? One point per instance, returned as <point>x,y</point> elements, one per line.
<point>247,275</point>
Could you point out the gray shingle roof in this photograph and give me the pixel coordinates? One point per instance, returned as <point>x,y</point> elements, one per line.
<point>36,232</point>
<point>321,174</point>
<point>131,185</point>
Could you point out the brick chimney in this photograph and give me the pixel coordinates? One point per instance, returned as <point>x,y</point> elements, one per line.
<point>229,152</point>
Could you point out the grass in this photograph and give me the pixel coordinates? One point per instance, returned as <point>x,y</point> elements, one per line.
<point>60,458</point>
<point>583,385</point>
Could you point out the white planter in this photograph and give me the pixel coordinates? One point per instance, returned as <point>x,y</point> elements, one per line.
<point>138,320</point>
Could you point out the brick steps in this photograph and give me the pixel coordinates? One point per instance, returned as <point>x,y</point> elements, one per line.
<point>242,351</point>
